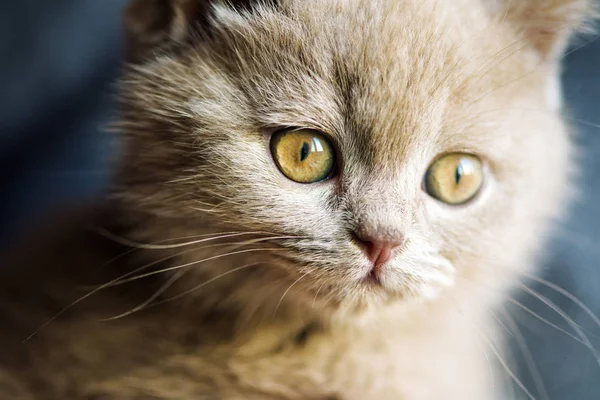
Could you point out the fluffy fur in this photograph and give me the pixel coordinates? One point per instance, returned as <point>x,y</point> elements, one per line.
<point>285,314</point>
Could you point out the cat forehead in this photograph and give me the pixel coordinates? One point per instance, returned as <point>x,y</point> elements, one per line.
<point>380,76</point>
<point>385,49</point>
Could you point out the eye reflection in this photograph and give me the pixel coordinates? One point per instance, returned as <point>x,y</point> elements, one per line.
<point>304,156</point>
<point>455,178</point>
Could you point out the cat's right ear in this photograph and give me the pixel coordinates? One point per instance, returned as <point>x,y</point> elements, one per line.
<point>151,24</point>
<point>548,25</point>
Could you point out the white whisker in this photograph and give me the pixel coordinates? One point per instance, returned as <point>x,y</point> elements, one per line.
<point>178,267</point>
<point>536,68</point>
<point>510,373</point>
<point>560,312</point>
<point>317,293</point>
<point>204,284</point>
<point>287,291</point>
<point>125,278</point>
<point>130,243</point>
<point>544,320</point>
<point>498,356</point>
<point>528,357</point>
<point>98,289</point>
<point>568,295</point>
<point>233,245</point>
<point>156,295</point>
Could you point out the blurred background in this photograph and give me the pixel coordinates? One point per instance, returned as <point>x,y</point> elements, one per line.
<point>58,59</point>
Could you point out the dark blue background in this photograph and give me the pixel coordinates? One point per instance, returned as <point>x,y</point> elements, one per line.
<point>58,59</point>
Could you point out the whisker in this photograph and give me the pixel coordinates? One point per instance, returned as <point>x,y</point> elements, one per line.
<point>544,320</point>
<point>527,356</point>
<point>485,354</point>
<point>234,245</point>
<point>490,370</point>
<point>118,257</point>
<point>487,67</point>
<point>287,291</point>
<point>536,68</point>
<point>317,293</point>
<point>508,370</point>
<point>500,323</point>
<point>170,282</point>
<point>506,11</point>
<point>539,317</point>
<point>117,281</point>
<point>462,81</point>
<point>563,116</point>
<point>130,243</point>
<point>178,267</point>
<point>187,292</point>
<point>326,301</point>
<point>510,299</point>
<point>498,356</point>
<point>560,312</point>
<point>568,295</point>
<point>98,289</point>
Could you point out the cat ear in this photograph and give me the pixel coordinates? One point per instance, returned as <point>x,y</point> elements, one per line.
<point>547,24</point>
<point>153,23</point>
<point>150,23</point>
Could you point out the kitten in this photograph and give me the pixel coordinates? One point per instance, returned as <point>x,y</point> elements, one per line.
<point>317,200</point>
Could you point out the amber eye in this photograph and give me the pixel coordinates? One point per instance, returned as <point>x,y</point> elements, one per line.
<point>455,178</point>
<point>304,155</point>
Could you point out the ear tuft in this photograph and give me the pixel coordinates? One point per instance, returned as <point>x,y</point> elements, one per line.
<point>549,25</point>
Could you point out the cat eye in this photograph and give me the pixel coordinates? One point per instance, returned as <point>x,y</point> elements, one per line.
<point>303,155</point>
<point>455,178</point>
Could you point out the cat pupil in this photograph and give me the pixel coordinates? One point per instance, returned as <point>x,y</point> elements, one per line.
<point>304,151</point>
<point>458,174</point>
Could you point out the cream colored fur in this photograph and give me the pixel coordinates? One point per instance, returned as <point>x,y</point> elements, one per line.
<point>395,84</point>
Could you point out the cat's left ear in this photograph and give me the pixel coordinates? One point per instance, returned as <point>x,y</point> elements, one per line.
<point>548,25</point>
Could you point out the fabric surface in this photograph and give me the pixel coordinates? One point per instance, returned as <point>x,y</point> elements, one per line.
<point>58,60</point>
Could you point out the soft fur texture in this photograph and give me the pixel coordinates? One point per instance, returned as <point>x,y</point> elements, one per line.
<point>276,308</point>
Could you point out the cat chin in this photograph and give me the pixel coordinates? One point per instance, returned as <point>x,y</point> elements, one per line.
<point>373,298</point>
<point>396,305</point>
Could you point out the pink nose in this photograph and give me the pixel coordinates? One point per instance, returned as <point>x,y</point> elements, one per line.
<point>379,251</point>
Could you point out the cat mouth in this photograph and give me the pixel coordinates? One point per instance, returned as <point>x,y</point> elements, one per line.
<point>374,275</point>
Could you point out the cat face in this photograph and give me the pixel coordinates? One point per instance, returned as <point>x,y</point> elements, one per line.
<point>395,148</point>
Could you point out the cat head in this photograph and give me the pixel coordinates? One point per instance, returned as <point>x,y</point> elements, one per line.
<point>390,149</point>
